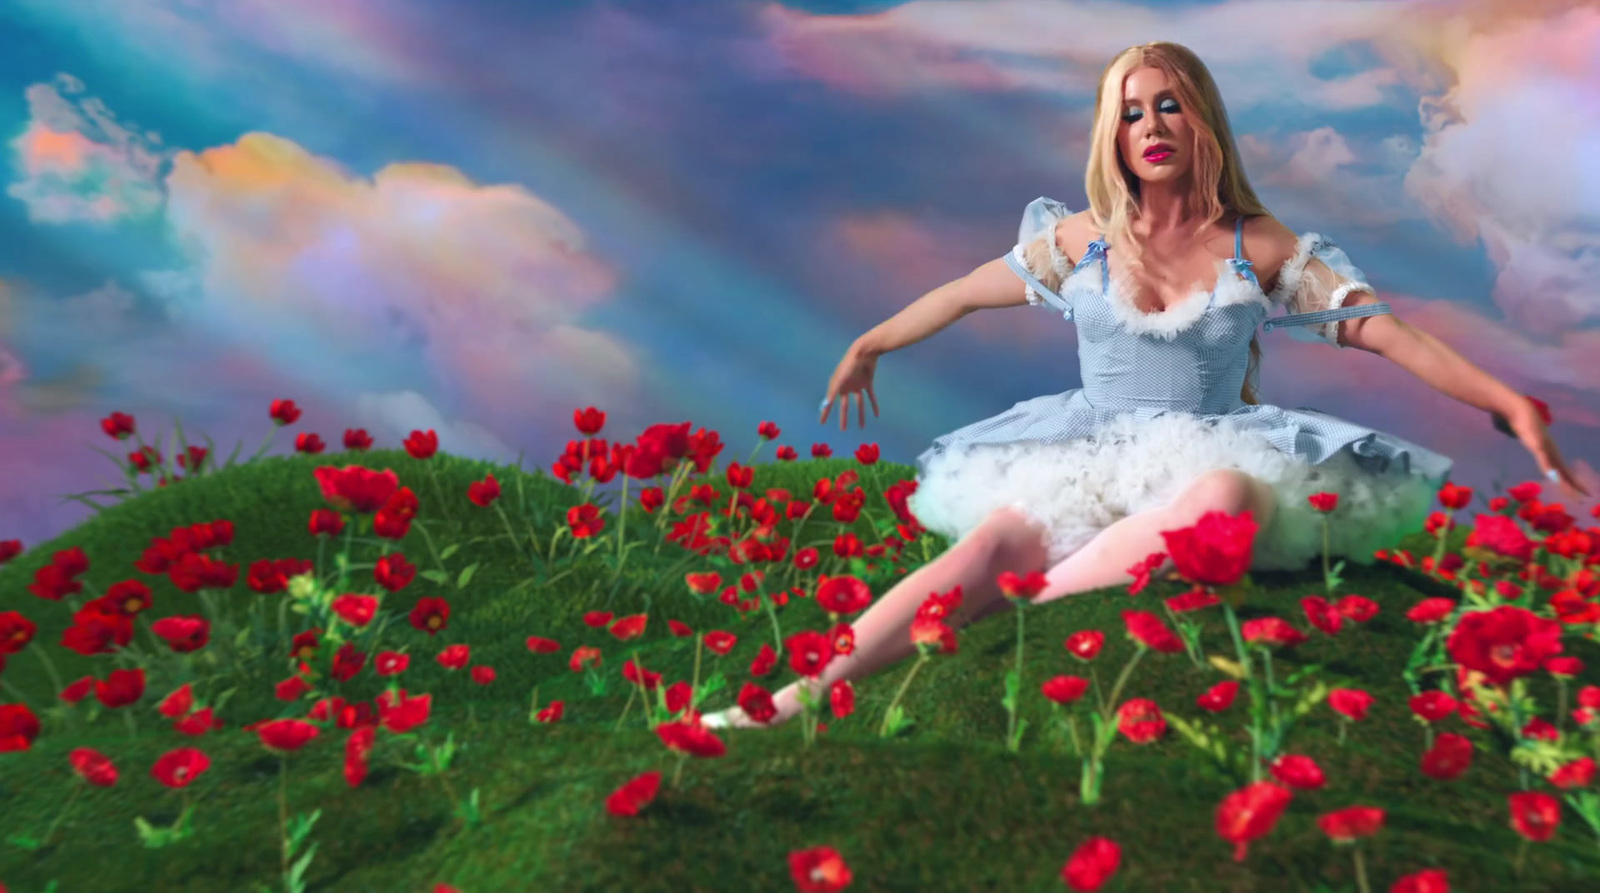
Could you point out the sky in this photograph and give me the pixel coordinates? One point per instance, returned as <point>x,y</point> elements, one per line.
<point>478,216</point>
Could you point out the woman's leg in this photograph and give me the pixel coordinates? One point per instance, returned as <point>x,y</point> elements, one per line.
<point>1006,540</point>
<point>1105,560</point>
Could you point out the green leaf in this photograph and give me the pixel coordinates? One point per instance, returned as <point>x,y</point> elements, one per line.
<point>1013,684</point>
<point>436,575</point>
<point>234,455</point>
<point>298,869</point>
<point>300,827</point>
<point>448,551</point>
<point>152,837</point>
<point>466,575</point>
<point>24,841</point>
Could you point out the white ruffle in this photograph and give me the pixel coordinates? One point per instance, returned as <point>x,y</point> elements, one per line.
<point>1294,268</point>
<point>1075,489</point>
<point>1330,330</point>
<point>1231,288</point>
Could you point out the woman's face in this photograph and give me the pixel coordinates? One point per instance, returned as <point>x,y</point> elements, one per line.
<point>1154,137</point>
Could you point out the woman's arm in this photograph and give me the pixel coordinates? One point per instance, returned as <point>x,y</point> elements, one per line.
<point>991,285</point>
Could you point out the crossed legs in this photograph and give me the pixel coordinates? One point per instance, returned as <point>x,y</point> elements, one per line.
<point>1008,540</point>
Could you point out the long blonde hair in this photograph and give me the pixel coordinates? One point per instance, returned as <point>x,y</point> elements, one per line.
<point>1219,178</point>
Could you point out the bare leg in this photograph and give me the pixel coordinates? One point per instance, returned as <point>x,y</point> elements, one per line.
<point>1104,561</point>
<point>1005,541</point>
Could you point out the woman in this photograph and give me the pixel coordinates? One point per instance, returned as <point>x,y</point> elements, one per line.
<point>1167,426</point>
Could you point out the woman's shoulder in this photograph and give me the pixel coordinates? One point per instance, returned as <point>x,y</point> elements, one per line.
<point>1073,234</point>
<point>1268,245</point>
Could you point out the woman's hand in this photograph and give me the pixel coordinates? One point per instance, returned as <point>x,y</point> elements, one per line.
<point>1528,427</point>
<point>852,377</point>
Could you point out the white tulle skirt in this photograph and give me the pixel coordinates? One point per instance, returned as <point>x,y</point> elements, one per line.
<point>1077,488</point>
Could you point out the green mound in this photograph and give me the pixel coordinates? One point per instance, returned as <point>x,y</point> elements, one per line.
<point>944,806</point>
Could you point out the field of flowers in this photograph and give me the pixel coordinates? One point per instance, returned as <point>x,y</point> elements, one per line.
<point>396,669</point>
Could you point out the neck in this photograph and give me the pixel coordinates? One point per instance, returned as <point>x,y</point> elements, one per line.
<point>1165,207</point>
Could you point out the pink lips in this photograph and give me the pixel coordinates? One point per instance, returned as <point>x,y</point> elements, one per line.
<point>1158,154</point>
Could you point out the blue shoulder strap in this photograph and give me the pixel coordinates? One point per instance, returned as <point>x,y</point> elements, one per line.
<point>1242,267</point>
<point>1321,316</point>
<point>1049,294</point>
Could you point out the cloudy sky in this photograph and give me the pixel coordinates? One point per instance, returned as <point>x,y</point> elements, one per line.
<point>477,216</point>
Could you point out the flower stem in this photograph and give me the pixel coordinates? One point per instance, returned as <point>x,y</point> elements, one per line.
<point>1012,742</point>
<point>884,728</point>
<point>49,666</point>
<point>625,708</point>
<point>1122,680</point>
<point>50,832</point>
<point>17,693</point>
<point>694,685</point>
<point>510,533</point>
<point>283,813</point>
<point>439,491</point>
<point>1361,871</point>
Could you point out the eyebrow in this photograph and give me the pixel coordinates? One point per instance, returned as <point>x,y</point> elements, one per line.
<point>1164,94</point>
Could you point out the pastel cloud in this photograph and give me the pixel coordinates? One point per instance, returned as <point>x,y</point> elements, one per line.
<point>1260,51</point>
<point>77,163</point>
<point>485,285</point>
<point>1507,159</point>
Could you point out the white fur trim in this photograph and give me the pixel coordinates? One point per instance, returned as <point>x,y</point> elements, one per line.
<point>1231,288</point>
<point>1330,330</point>
<point>1289,274</point>
<point>1077,488</point>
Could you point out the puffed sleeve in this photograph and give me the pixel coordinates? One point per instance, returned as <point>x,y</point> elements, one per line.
<point>1313,286</point>
<point>1039,256</point>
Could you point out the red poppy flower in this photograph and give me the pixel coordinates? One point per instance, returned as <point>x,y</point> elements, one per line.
<point>766,660</point>
<point>357,750</point>
<point>1450,755</point>
<point>1577,774</point>
<point>1148,630</point>
<point>95,767</point>
<point>357,439</point>
<point>454,657</point>
<point>541,645</point>
<point>16,631</point>
<point>809,652</point>
<point>287,734</point>
<point>1433,706</point>
<point>1357,607</point>
<point>1065,689</point>
<point>483,493</point>
<point>1431,610</point>
<point>551,713</point>
<point>400,714</point>
<point>120,688</point>
<point>1322,615</point>
<point>720,642</point>
<point>756,702</point>
<point>356,489</point>
<point>180,767</point>
<point>819,870</point>
<point>1271,632</point>
<point>178,703</point>
<point>19,727</point>
<point>1535,815</point>
<point>393,572</point>
<point>634,795</point>
<point>422,444</point>
<point>284,412</point>
<point>843,595</point>
<point>1504,643</point>
<point>1352,703</point>
<point>1219,697</point>
<point>1299,772</point>
<point>430,615</point>
<point>1085,644</point>
<point>1216,550</point>
<point>691,738</point>
<point>1249,814</point>
<point>1141,720</point>
<point>1352,823</point>
<point>842,697</point>
<point>1432,880</point>
<point>629,627</point>
<point>1092,864</point>
<point>355,609</point>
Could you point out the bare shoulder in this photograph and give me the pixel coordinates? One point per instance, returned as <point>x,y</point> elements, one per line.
<point>1073,235</point>
<point>1268,245</point>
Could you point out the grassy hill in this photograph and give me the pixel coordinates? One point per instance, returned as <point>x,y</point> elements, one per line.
<point>943,806</point>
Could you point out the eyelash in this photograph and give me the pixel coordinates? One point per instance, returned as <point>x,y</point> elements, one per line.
<point>1131,117</point>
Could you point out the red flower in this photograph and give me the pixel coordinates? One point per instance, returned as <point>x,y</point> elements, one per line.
<point>1085,644</point>
<point>325,522</point>
<point>597,619</point>
<point>18,727</point>
<point>118,426</point>
<point>584,654</point>
<point>485,492</point>
<point>180,767</point>
<point>1219,697</point>
<point>1576,774</point>
<point>347,662</point>
<point>178,703</point>
<point>551,713</point>
<point>1149,631</point>
<point>1504,643</point>
<point>287,734</point>
<point>393,572</point>
<point>541,645</point>
<point>422,444</point>
<point>585,521</point>
<point>690,738</point>
<point>1141,720</point>
<point>1021,586</point>
<point>1433,706</point>
<point>1092,864</point>
<point>809,652</point>
<point>198,723</point>
<point>356,489</point>
<point>1432,880</point>
<point>1350,702</point>
<point>634,795</point>
<point>1450,755</point>
<point>1431,610</point>
<point>819,870</point>
<point>1271,632</point>
<point>120,688</point>
<point>284,412</point>
<point>1322,615</point>
<point>1346,825</point>
<point>630,627</point>
<point>756,702</point>
<point>391,663</point>
<point>843,595</point>
<point>357,439</point>
<point>483,675</point>
<point>291,689</point>
<point>1249,814</point>
<point>720,642</point>
<point>95,767</point>
<point>1216,550</point>
<point>355,609</point>
<point>400,714</point>
<point>1065,689</point>
<point>76,691</point>
<point>454,657</point>
<point>431,614</point>
<point>1196,599</point>
<point>357,749</point>
<point>1563,667</point>
<point>16,631</point>
<point>765,660</point>
<point>9,549</point>
<point>589,420</point>
<point>309,442</point>
<point>842,697</point>
<point>1324,502</point>
<point>1357,607</point>
<point>1535,815</point>
<point>933,636</point>
<point>1300,772</point>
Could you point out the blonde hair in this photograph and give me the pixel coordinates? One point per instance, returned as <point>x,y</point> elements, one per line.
<point>1218,175</point>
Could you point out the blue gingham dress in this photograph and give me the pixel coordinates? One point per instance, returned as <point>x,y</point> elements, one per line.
<point>1160,406</point>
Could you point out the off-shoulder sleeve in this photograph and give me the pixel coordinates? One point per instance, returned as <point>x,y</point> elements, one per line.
<point>1313,286</point>
<point>1039,256</point>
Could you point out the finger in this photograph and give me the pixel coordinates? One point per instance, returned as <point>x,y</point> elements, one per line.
<point>861,404</point>
<point>874,396</point>
<point>844,412</point>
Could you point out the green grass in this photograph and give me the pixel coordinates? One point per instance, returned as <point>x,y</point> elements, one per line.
<point>945,807</point>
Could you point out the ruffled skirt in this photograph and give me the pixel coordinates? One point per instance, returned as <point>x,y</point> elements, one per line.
<point>1079,486</point>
